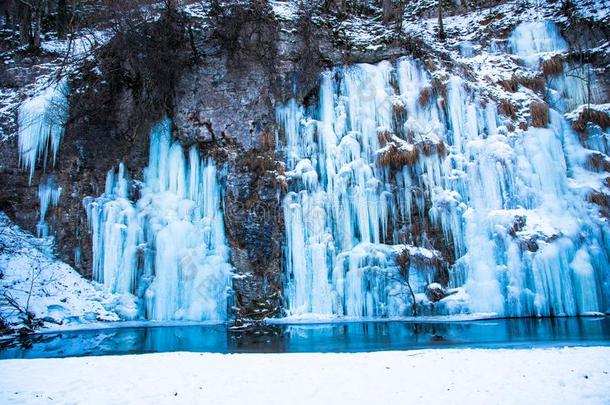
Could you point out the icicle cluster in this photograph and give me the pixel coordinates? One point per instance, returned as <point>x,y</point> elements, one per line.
<point>343,207</point>
<point>168,247</point>
<point>48,196</point>
<point>41,121</point>
<point>513,205</point>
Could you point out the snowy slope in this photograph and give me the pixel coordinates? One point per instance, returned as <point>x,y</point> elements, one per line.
<point>34,280</point>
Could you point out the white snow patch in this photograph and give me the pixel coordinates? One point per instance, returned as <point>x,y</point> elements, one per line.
<point>285,10</point>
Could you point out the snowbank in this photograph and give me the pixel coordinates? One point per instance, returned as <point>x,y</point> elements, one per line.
<point>548,376</point>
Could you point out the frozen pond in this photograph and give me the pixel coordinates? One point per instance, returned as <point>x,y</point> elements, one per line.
<point>331,337</point>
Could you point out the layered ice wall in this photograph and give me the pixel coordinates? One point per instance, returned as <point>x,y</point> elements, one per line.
<point>378,166</point>
<point>344,215</point>
<point>168,247</point>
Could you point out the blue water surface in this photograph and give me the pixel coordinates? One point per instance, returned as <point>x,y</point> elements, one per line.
<point>330,337</point>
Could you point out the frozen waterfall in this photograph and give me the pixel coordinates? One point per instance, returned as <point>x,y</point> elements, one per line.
<point>529,40</point>
<point>168,248</point>
<point>379,165</point>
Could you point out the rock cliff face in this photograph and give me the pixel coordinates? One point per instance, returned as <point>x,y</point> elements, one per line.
<point>221,100</point>
<point>220,81</point>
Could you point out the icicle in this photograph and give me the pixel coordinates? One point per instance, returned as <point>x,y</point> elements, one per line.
<point>576,85</point>
<point>41,121</point>
<point>48,196</point>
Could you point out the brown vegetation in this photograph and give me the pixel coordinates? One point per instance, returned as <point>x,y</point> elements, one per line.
<point>439,88</point>
<point>536,84</point>
<point>507,109</point>
<point>553,66</point>
<point>425,95</point>
<point>539,112</point>
<point>511,85</point>
<point>587,115</point>
<point>256,162</point>
<point>597,162</point>
<point>428,148</point>
<point>441,148</point>
<point>491,17</point>
<point>384,136</point>
<point>430,65</point>
<point>396,157</point>
<point>600,199</point>
<point>398,109</point>
<point>267,141</point>
<point>281,183</point>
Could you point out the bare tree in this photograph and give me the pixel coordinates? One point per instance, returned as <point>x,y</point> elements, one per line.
<point>9,301</point>
<point>404,265</point>
<point>215,9</point>
<point>393,12</point>
<point>29,15</point>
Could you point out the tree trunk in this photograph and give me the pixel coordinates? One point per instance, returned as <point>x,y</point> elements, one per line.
<point>400,9</point>
<point>215,9</point>
<point>35,39</point>
<point>441,28</point>
<point>388,11</point>
<point>337,6</point>
<point>414,302</point>
<point>24,18</point>
<point>62,19</point>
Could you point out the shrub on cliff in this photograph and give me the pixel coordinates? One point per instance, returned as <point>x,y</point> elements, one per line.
<point>129,83</point>
<point>148,59</point>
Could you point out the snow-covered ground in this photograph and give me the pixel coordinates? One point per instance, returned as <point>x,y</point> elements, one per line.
<point>475,376</point>
<point>34,280</point>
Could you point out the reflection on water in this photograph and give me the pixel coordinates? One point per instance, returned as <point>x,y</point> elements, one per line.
<point>334,337</point>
